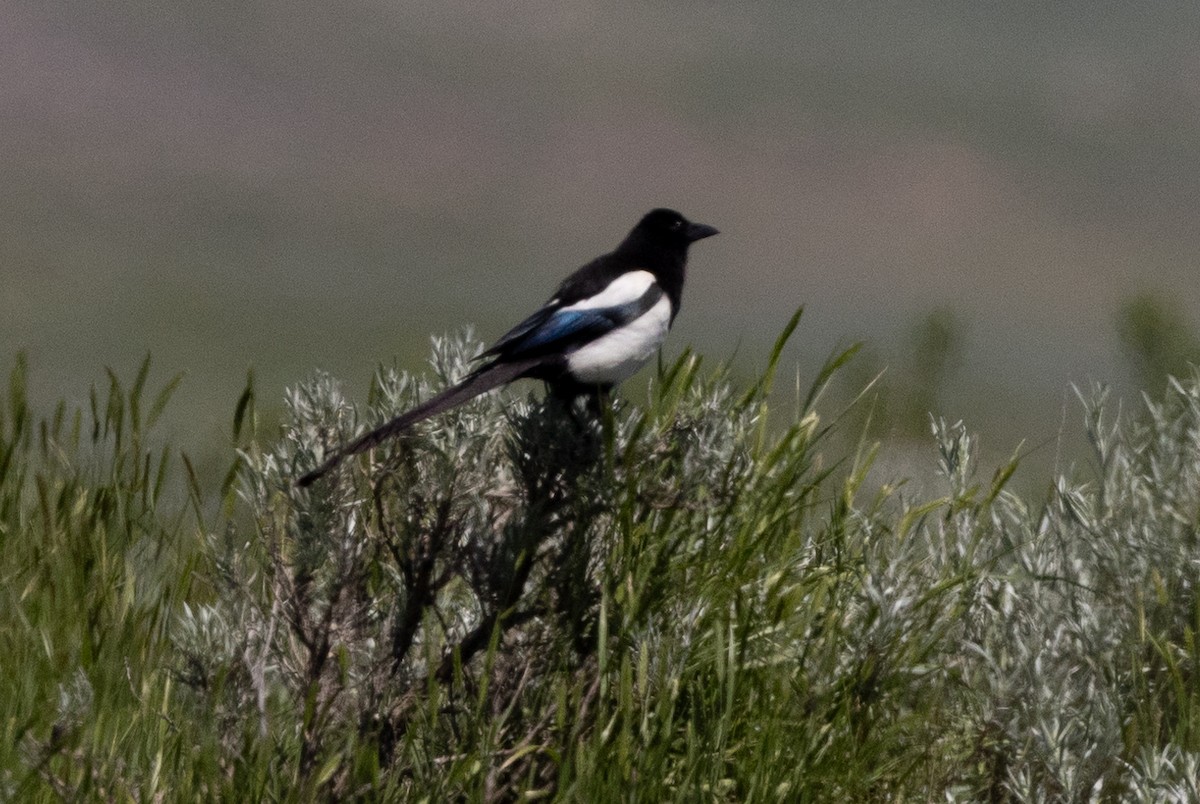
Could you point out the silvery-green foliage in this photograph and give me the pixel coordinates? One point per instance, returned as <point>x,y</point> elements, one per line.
<point>75,700</point>
<point>678,600</point>
<point>520,597</point>
<point>1166,775</point>
<point>363,590</point>
<point>1054,648</point>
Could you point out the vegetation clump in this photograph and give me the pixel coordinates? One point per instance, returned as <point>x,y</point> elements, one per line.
<point>692,597</point>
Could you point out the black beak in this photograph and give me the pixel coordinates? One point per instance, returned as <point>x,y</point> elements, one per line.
<point>699,231</point>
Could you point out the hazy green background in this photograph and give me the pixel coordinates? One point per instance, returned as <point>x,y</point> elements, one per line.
<point>292,185</point>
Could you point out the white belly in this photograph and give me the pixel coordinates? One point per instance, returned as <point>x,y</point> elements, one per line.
<point>613,357</point>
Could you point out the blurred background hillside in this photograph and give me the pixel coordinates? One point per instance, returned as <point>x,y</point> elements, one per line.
<point>1000,198</point>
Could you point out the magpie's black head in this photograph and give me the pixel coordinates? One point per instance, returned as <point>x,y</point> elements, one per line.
<point>659,244</point>
<point>667,228</point>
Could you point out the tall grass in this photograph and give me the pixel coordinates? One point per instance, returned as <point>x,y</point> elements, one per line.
<point>694,597</point>
<point>93,566</point>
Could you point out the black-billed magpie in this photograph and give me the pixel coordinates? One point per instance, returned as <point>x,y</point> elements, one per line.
<point>601,325</point>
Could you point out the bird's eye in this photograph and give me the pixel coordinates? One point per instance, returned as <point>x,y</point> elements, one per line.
<point>676,225</point>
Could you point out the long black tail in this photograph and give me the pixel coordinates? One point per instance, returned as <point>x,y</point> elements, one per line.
<point>479,382</point>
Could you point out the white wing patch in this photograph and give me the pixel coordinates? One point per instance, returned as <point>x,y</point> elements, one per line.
<point>624,289</point>
<point>616,355</point>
